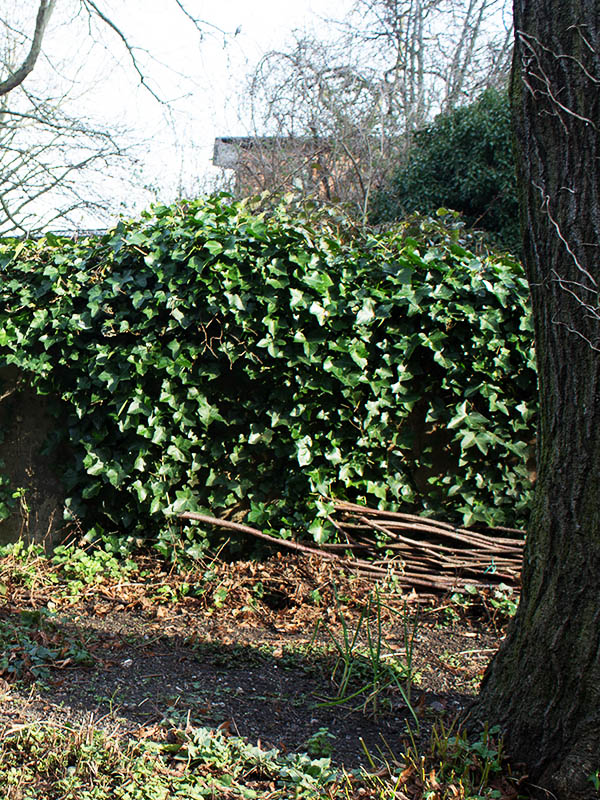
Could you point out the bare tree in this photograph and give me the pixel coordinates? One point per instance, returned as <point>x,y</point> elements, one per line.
<point>326,123</point>
<point>49,164</point>
<point>433,55</point>
<point>342,111</point>
<point>17,76</point>
<point>52,155</point>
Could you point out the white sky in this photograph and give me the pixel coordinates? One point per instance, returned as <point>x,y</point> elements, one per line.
<point>201,79</point>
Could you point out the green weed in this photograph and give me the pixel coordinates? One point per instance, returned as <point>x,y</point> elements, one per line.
<point>320,743</point>
<point>452,767</point>
<point>499,603</point>
<point>31,643</point>
<point>21,564</point>
<point>73,568</point>
<point>40,762</point>
<point>364,670</point>
<point>79,565</point>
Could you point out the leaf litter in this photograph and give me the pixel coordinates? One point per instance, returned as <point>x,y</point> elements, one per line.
<point>246,649</point>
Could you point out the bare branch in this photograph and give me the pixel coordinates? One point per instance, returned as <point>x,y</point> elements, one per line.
<point>200,24</point>
<point>45,10</point>
<point>395,65</point>
<point>130,49</point>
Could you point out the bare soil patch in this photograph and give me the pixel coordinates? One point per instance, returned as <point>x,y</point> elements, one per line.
<point>248,650</point>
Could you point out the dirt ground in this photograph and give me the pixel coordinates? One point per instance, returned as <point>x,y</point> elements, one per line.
<point>252,651</point>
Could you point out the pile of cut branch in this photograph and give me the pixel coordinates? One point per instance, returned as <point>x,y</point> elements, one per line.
<point>427,554</point>
<point>417,553</point>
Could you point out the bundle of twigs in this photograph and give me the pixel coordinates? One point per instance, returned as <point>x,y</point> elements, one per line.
<point>418,553</point>
<point>428,553</point>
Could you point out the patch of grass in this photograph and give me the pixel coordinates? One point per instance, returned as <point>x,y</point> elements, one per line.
<point>364,668</point>
<point>470,764</point>
<point>24,564</point>
<point>43,762</point>
<point>307,657</point>
<point>40,762</point>
<point>453,766</point>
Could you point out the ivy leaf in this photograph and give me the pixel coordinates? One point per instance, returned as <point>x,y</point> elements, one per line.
<point>297,298</point>
<point>175,453</point>
<point>140,490</point>
<point>319,531</point>
<point>207,412</point>
<point>359,354</point>
<point>366,313</point>
<point>468,440</point>
<point>319,312</point>
<point>304,451</point>
<point>317,280</point>
<point>459,418</point>
<point>214,247</point>
<point>96,468</point>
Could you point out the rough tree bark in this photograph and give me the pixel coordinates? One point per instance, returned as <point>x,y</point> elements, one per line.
<point>544,684</point>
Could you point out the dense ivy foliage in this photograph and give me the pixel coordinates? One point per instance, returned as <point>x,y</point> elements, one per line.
<point>211,358</point>
<point>463,160</point>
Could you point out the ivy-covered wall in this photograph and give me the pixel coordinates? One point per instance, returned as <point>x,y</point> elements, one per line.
<point>207,357</point>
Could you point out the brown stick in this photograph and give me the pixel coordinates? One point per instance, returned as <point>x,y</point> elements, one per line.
<point>456,534</point>
<point>237,526</point>
<point>424,565</point>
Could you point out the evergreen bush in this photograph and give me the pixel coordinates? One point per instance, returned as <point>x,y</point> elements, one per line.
<point>462,161</point>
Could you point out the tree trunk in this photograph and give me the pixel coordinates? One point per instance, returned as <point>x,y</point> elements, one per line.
<point>544,684</point>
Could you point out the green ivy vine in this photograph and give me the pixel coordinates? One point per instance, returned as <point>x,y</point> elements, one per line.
<point>209,357</point>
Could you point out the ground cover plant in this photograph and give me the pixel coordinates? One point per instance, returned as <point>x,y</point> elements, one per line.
<point>212,358</point>
<point>196,693</point>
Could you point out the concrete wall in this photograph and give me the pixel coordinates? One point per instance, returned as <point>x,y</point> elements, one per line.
<point>24,426</point>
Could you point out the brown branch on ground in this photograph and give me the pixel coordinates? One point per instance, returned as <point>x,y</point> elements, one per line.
<point>420,554</point>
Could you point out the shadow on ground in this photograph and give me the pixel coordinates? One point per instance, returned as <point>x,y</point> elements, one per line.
<point>154,670</point>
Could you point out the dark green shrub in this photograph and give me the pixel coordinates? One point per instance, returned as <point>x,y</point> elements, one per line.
<point>208,358</point>
<point>462,161</point>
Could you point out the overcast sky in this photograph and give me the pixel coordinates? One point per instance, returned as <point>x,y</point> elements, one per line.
<point>195,76</point>
<point>201,79</point>
<point>195,79</point>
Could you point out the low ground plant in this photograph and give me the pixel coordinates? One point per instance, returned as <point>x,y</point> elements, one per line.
<point>91,565</point>
<point>453,767</point>
<point>43,762</point>
<point>33,643</point>
<point>497,603</point>
<point>71,569</point>
<point>365,669</point>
